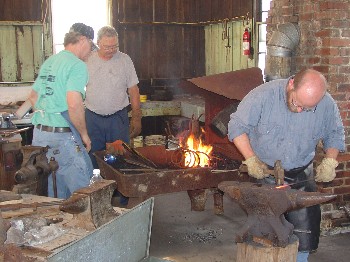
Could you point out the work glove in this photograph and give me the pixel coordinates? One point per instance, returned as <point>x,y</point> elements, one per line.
<point>325,172</point>
<point>256,168</point>
<point>115,148</point>
<point>135,123</point>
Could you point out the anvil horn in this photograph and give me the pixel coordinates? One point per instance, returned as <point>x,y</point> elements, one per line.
<point>307,199</point>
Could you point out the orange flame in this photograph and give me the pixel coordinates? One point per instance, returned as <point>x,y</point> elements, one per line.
<point>282,186</point>
<point>197,154</point>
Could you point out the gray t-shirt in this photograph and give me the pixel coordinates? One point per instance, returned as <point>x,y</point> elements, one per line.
<point>276,133</point>
<point>106,92</point>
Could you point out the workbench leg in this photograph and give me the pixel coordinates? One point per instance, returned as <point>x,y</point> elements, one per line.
<point>198,199</point>
<point>218,202</point>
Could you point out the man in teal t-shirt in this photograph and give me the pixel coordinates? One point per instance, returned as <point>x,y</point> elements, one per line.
<point>59,115</point>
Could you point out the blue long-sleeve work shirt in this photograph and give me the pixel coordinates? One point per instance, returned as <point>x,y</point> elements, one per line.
<point>276,133</point>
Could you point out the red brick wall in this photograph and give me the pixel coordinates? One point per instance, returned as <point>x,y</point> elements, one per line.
<point>325,46</point>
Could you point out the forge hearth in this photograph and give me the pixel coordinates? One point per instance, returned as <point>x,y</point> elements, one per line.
<point>146,182</point>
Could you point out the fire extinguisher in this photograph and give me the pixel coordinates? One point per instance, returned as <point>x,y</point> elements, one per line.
<point>246,42</point>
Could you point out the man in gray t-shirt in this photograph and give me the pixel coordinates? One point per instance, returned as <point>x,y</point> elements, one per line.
<point>111,88</point>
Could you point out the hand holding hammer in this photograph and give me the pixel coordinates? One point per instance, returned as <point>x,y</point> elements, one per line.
<point>277,172</point>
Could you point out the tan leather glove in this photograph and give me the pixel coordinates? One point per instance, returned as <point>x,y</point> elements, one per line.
<point>135,123</point>
<point>115,148</point>
<point>325,172</point>
<point>256,168</point>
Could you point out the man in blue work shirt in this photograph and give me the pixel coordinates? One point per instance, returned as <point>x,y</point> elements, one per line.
<point>284,120</point>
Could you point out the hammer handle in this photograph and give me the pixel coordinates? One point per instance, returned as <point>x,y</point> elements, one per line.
<point>244,169</point>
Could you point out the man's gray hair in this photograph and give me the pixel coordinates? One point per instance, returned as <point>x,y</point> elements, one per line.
<point>108,31</point>
<point>71,38</point>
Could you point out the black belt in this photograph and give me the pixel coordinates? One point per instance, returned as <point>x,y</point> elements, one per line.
<point>106,116</point>
<point>296,171</point>
<point>293,172</point>
<point>53,129</point>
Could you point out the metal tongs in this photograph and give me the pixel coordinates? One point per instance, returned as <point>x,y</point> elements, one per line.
<point>139,157</point>
<point>11,132</point>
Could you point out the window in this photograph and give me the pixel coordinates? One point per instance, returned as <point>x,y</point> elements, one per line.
<point>265,7</point>
<point>94,13</point>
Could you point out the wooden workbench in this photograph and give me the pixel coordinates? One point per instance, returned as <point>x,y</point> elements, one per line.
<point>67,234</point>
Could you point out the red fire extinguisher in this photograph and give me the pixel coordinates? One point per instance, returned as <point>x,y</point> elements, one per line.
<point>246,42</point>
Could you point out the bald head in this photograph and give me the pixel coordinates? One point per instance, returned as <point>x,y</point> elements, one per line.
<point>310,87</point>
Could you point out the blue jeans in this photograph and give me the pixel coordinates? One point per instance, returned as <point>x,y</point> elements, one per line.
<point>302,256</point>
<point>107,129</point>
<point>74,170</point>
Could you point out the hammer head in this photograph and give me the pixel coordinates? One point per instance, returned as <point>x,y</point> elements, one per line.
<point>278,173</point>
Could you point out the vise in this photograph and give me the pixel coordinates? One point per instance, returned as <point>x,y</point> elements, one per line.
<point>265,206</point>
<point>31,178</point>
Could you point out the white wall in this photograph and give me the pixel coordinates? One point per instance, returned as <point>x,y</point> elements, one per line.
<point>12,94</point>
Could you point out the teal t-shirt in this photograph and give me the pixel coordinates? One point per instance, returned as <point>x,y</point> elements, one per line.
<point>60,73</point>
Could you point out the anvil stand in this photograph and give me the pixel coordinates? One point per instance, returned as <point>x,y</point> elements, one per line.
<point>259,250</point>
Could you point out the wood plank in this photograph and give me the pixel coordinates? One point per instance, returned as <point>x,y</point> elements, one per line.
<point>175,11</point>
<point>189,51</point>
<point>237,34</point>
<point>217,10</point>
<point>175,51</point>
<point>191,10</point>
<point>145,64</point>
<point>134,51</point>
<point>25,56</point>
<point>160,56</point>
<point>38,54</point>
<point>217,53</point>
<point>146,10</point>
<point>13,10</point>
<point>199,59</point>
<point>160,11</point>
<point>236,9</point>
<point>205,10</point>
<point>207,31</point>
<point>118,11</point>
<point>132,11</point>
<point>227,12</point>
<point>8,54</point>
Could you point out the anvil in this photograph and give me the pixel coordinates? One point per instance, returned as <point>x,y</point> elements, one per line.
<point>265,206</point>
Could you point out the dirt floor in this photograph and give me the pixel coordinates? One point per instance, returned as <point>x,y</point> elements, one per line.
<point>179,234</point>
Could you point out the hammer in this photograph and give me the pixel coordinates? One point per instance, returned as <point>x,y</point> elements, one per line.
<point>277,172</point>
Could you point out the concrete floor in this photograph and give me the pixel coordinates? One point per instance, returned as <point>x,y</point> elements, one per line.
<point>179,234</point>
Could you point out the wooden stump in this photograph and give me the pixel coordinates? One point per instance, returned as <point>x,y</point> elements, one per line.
<point>254,252</point>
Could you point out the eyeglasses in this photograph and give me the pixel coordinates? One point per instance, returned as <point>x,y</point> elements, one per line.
<point>109,48</point>
<point>303,108</point>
